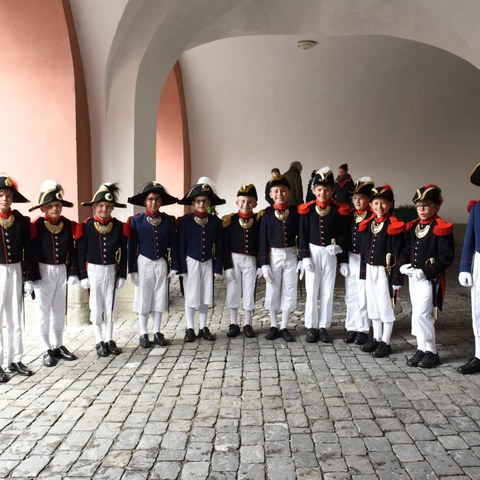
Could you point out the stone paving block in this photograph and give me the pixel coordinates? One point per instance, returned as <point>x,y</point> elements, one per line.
<point>225,461</point>
<point>279,448</point>
<point>166,470</point>
<point>194,471</point>
<point>280,468</point>
<point>83,468</point>
<point>443,465</point>
<point>199,452</point>
<point>465,458</point>
<point>117,458</point>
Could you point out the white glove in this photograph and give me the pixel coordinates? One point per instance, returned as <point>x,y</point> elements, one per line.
<point>344,269</point>
<point>171,274</point>
<point>73,280</point>
<point>418,274</point>
<point>120,283</point>
<point>217,275</point>
<point>134,278</point>
<point>407,269</point>
<point>259,273</point>
<point>28,288</point>
<point>300,269</point>
<point>307,264</point>
<point>396,288</point>
<point>267,273</point>
<point>85,284</point>
<point>465,279</point>
<point>334,249</point>
<point>230,274</point>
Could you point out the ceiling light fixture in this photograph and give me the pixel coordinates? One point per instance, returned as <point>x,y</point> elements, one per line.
<point>306,44</point>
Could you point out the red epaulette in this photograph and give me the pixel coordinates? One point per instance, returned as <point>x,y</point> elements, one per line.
<point>443,228</point>
<point>304,208</point>
<point>343,208</point>
<point>411,224</point>
<point>364,223</point>
<point>127,231</point>
<point>396,226</point>
<point>33,230</point>
<point>79,231</point>
<point>471,203</point>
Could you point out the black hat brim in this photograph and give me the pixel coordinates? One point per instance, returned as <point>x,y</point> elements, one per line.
<point>475,175</point>
<point>65,203</point>
<point>139,199</point>
<point>115,204</point>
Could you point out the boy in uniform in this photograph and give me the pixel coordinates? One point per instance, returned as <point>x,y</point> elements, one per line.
<point>323,236</point>
<point>241,234</point>
<point>357,324</point>
<point>429,251</point>
<point>469,275</point>
<point>54,256</point>
<point>102,263</point>
<point>152,241</point>
<point>200,255</point>
<point>278,257</point>
<point>381,246</point>
<point>15,261</point>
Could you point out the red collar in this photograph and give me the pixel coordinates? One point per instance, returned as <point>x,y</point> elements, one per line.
<point>280,207</point>
<point>323,204</point>
<point>103,222</point>
<point>381,219</point>
<point>6,215</point>
<point>430,220</point>
<point>361,212</point>
<point>242,215</point>
<point>54,222</point>
<point>153,215</point>
<point>200,215</point>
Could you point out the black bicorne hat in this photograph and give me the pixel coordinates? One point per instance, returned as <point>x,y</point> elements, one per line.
<point>247,191</point>
<point>107,192</point>
<point>278,180</point>
<point>152,187</point>
<point>51,191</point>
<point>428,193</point>
<point>363,186</point>
<point>323,176</point>
<point>475,175</point>
<point>384,191</point>
<point>7,183</point>
<point>201,189</point>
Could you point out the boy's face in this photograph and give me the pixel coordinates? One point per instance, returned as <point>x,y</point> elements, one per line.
<point>360,201</point>
<point>6,199</point>
<point>426,210</point>
<point>153,202</point>
<point>323,193</point>
<point>52,210</point>
<point>201,203</point>
<point>103,210</point>
<point>381,206</point>
<point>246,204</point>
<point>280,194</point>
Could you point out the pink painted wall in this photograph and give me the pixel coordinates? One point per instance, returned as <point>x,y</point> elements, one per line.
<point>173,165</point>
<point>42,132</point>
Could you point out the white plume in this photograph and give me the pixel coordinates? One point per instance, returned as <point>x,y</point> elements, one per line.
<point>50,185</point>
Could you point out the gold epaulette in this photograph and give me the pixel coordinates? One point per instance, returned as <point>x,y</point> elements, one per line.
<point>227,220</point>
<point>260,214</point>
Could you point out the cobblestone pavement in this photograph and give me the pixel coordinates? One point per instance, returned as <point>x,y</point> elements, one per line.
<point>245,408</point>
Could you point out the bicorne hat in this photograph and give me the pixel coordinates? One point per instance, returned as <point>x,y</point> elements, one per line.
<point>152,187</point>
<point>428,193</point>
<point>363,186</point>
<point>323,176</point>
<point>247,191</point>
<point>7,183</point>
<point>384,191</point>
<point>107,192</point>
<point>51,191</point>
<point>475,175</point>
<point>201,189</point>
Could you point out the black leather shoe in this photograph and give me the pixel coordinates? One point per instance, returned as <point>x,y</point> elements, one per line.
<point>3,376</point>
<point>370,346</point>
<point>361,338</point>
<point>233,330</point>
<point>272,333</point>
<point>145,341</point>
<point>248,331</point>
<point>413,361</point>
<point>323,335</point>
<point>190,335</point>
<point>62,352</point>
<point>20,368</point>
<point>350,337</point>
<point>429,360</point>
<point>160,340</point>
<point>472,366</point>
<point>286,335</point>
<point>383,350</point>
<point>49,358</point>
<point>112,348</point>
<point>312,335</point>
<point>206,334</point>
<point>102,349</point>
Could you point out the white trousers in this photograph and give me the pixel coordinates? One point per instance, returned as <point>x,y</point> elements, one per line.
<point>198,284</point>
<point>475,295</point>
<point>245,268</point>
<point>11,308</point>
<point>50,295</point>
<point>355,297</point>
<point>151,295</point>
<point>423,323</point>
<point>320,283</point>
<point>281,294</point>
<point>379,303</point>
<point>102,286</point>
